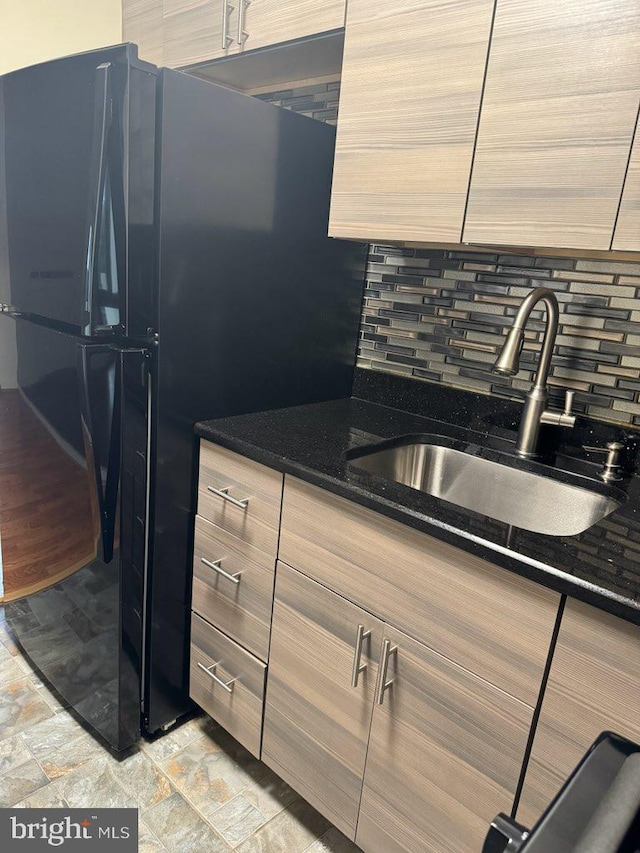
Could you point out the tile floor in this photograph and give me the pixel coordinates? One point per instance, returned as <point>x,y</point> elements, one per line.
<point>197,789</point>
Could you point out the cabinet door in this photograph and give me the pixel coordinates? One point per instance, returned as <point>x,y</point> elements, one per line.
<point>142,24</point>
<point>193,31</point>
<point>411,85</point>
<point>594,686</point>
<point>316,724</point>
<point>272,21</point>
<point>444,756</point>
<point>558,115</point>
<point>486,619</point>
<point>627,235</point>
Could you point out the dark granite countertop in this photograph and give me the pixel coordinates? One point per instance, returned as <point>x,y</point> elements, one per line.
<point>600,566</point>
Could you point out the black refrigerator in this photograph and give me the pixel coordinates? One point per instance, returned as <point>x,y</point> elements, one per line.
<point>163,259</point>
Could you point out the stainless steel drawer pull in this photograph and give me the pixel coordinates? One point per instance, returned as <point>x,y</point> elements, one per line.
<point>243,503</point>
<point>226,685</point>
<point>227,40</point>
<point>383,684</point>
<point>216,565</point>
<point>361,636</point>
<point>243,35</point>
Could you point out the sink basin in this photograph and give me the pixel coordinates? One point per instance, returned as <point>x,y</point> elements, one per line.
<point>516,497</point>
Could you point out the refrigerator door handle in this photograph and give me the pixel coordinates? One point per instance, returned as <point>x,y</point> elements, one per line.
<point>106,485</point>
<point>103,115</point>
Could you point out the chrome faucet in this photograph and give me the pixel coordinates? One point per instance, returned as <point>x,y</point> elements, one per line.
<point>535,410</point>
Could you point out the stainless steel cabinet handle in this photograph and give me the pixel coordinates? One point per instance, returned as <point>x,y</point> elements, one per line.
<point>224,493</point>
<point>226,11</point>
<point>216,565</point>
<point>361,636</point>
<point>383,684</point>
<point>226,685</point>
<point>243,35</point>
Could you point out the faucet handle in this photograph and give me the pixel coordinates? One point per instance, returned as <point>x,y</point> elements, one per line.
<point>566,418</point>
<point>568,402</point>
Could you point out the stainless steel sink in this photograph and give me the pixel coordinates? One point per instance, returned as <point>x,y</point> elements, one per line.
<point>520,498</point>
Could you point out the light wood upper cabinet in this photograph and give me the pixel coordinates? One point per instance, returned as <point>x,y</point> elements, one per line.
<point>444,757</point>
<point>272,21</point>
<point>142,25</point>
<point>178,33</point>
<point>627,234</point>
<point>558,115</point>
<point>411,85</point>
<point>193,31</point>
<point>594,686</point>
<point>316,723</point>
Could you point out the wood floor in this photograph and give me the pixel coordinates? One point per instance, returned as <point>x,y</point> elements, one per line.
<point>47,522</point>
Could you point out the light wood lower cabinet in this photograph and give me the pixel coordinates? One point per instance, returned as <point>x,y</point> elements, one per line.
<point>488,620</point>
<point>227,682</point>
<point>235,545</point>
<point>445,754</point>
<point>316,724</point>
<point>240,496</point>
<point>594,686</point>
<point>233,586</point>
<point>445,747</point>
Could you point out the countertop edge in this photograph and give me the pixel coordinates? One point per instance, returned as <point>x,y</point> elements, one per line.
<point>539,572</point>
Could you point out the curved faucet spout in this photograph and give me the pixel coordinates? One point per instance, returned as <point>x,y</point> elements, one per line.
<point>541,294</point>
<point>508,364</point>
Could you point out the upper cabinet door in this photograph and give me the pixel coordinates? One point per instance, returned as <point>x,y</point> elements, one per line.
<point>198,30</point>
<point>142,24</point>
<point>265,22</point>
<point>411,85</point>
<point>558,115</point>
<point>627,234</point>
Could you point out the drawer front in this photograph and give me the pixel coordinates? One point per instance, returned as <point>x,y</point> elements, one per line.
<point>486,619</point>
<point>239,601</point>
<point>241,496</point>
<point>238,708</point>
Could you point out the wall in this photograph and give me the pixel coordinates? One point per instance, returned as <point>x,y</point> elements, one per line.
<point>441,316</point>
<point>35,30</point>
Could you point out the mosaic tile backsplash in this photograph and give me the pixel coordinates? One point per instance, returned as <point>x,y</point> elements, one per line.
<point>441,316</point>
<point>319,101</point>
